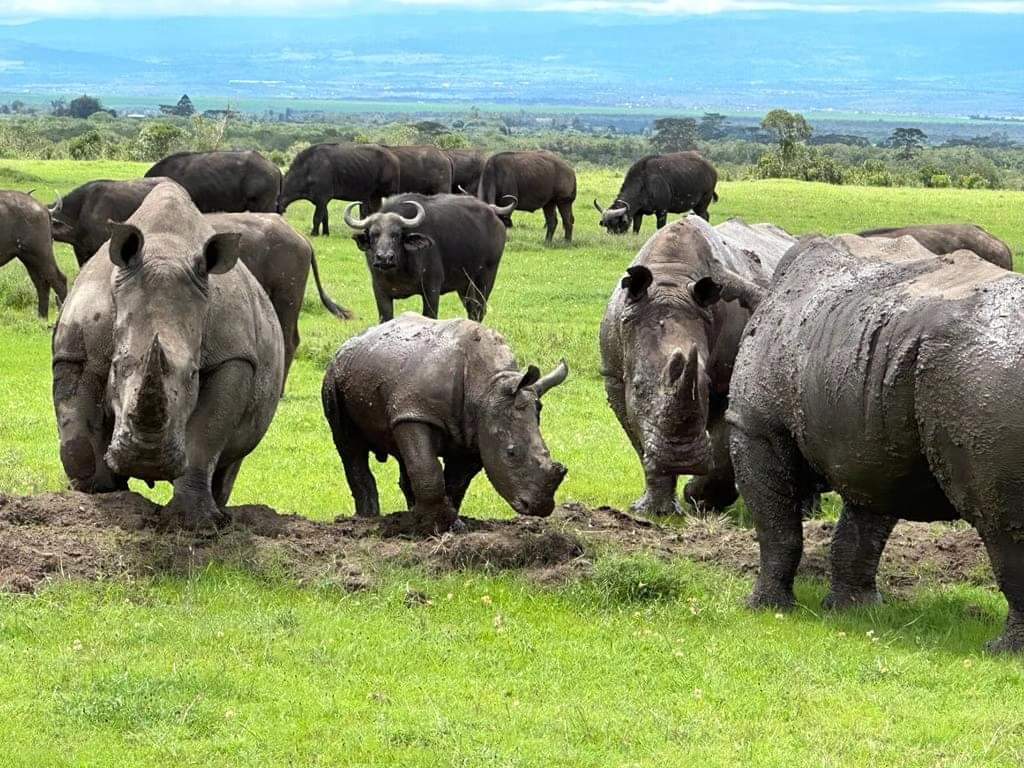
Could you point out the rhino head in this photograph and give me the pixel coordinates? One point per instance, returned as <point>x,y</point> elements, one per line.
<point>512,450</point>
<point>161,294</point>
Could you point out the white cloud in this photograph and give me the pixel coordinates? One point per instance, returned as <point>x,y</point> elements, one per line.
<point>26,9</point>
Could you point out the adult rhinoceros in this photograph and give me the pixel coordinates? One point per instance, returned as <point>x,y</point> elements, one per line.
<point>888,374</point>
<point>168,361</point>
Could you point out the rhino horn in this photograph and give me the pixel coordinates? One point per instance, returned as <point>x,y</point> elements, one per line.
<point>150,412</point>
<point>552,380</point>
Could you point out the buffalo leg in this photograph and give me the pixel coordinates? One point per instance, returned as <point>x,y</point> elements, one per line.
<point>42,286</point>
<point>638,221</point>
<point>662,218</point>
<point>431,300</point>
<point>458,474</point>
<point>385,304</point>
<point>568,220</point>
<point>78,398</point>
<point>46,275</point>
<point>857,546</point>
<point>223,401</point>
<point>550,221</point>
<point>474,300</point>
<point>1006,551</point>
<point>418,447</point>
<point>320,219</point>
<point>772,480</point>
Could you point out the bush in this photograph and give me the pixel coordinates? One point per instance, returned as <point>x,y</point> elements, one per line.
<point>158,140</point>
<point>940,180</point>
<point>88,146</point>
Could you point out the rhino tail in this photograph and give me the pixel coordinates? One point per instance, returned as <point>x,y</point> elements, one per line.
<point>336,310</point>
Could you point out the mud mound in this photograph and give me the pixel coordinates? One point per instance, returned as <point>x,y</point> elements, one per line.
<point>76,536</point>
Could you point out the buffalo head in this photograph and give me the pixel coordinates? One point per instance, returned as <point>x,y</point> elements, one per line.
<point>615,219</point>
<point>387,237</point>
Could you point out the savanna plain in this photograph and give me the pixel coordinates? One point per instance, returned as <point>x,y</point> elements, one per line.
<point>644,661</point>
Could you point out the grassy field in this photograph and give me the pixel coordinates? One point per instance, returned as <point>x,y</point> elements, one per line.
<point>229,668</point>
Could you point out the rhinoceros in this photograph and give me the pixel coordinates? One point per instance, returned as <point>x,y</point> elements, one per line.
<point>946,238</point>
<point>668,341</point>
<point>418,389</point>
<point>168,361</point>
<point>888,374</point>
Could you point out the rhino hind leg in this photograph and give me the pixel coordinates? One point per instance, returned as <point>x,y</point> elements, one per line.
<point>418,446</point>
<point>1006,551</point>
<point>353,451</point>
<point>775,483</point>
<point>857,546</point>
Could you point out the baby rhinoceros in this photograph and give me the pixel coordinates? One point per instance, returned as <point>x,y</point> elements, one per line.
<point>419,389</point>
<point>168,361</point>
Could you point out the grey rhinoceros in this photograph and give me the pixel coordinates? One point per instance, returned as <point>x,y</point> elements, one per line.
<point>668,341</point>
<point>168,361</point>
<point>888,374</point>
<point>418,389</point>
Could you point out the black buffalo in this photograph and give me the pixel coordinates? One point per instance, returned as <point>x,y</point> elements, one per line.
<point>535,180</point>
<point>82,218</point>
<point>224,182</point>
<point>449,243</point>
<point>366,173</point>
<point>25,235</point>
<point>658,185</point>
<point>467,165</point>
<point>423,169</point>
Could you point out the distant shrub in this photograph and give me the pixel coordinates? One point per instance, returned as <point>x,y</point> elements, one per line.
<point>974,181</point>
<point>940,180</point>
<point>158,140</point>
<point>88,146</point>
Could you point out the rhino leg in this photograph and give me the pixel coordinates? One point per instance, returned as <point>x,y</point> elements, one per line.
<point>774,481</point>
<point>659,500</point>
<point>224,482</point>
<point>1006,551</point>
<point>550,221</point>
<point>418,446</point>
<point>354,453</point>
<point>716,490</point>
<point>458,474</point>
<point>405,486</point>
<point>857,546</point>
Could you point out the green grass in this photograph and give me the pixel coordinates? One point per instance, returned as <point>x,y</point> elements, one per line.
<point>645,664</point>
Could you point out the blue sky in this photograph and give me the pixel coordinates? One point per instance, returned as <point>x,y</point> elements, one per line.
<point>34,9</point>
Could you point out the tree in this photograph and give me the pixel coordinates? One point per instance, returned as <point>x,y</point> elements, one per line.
<point>908,142</point>
<point>790,129</point>
<point>157,140</point>
<point>84,106</point>
<point>712,126</point>
<point>184,107</point>
<point>674,134</point>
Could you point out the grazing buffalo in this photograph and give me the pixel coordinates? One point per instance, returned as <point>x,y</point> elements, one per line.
<point>449,243</point>
<point>668,341</point>
<point>168,361</point>
<point>420,389</point>
<point>224,182</point>
<point>280,259</point>
<point>947,238</point>
<point>365,173</point>
<point>467,165</point>
<point>25,235</point>
<point>658,185</point>
<point>423,169</point>
<point>889,375</point>
<point>535,180</point>
<point>82,218</point>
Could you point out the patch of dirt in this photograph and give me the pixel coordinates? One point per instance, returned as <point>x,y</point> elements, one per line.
<point>78,536</point>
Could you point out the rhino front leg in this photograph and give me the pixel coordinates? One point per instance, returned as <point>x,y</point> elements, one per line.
<point>458,474</point>
<point>418,446</point>
<point>716,490</point>
<point>857,546</point>
<point>659,500</point>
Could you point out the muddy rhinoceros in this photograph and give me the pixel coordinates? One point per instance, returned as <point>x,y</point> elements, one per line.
<point>168,361</point>
<point>887,373</point>
<point>946,238</point>
<point>668,341</point>
<point>418,389</point>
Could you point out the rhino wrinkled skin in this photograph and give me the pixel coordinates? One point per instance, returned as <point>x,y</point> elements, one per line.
<point>889,375</point>
<point>419,389</point>
<point>168,361</point>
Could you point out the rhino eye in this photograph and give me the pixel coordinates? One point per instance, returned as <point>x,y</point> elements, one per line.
<point>510,450</point>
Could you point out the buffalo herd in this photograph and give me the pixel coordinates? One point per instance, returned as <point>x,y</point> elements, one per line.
<point>879,366</point>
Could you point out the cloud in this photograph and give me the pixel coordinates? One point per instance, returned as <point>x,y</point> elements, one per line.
<point>27,9</point>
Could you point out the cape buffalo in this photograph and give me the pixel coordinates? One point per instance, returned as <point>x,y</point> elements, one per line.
<point>467,165</point>
<point>449,243</point>
<point>280,259</point>
<point>224,182</point>
<point>168,361</point>
<point>535,180</point>
<point>365,173</point>
<point>25,235</point>
<point>419,389</point>
<point>889,375</point>
<point>82,218</point>
<point>659,185</point>
<point>946,238</point>
<point>668,341</point>
<point>423,169</point>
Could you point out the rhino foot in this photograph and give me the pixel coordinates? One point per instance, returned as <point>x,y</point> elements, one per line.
<point>708,495</point>
<point>189,514</point>
<point>837,600</point>
<point>1011,641</point>
<point>648,506</point>
<point>775,600</point>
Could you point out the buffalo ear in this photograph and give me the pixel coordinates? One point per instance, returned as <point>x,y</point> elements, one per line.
<point>221,253</point>
<point>415,241</point>
<point>706,291</point>
<point>362,241</point>
<point>529,378</point>
<point>636,282</point>
<point>126,241</point>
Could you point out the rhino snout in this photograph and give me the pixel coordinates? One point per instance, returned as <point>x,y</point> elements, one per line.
<point>542,504</point>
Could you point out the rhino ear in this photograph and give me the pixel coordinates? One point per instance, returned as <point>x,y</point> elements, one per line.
<point>706,291</point>
<point>636,282</point>
<point>221,253</point>
<point>126,241</point>
<point>529,378</point>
